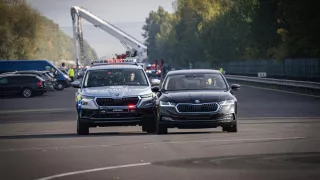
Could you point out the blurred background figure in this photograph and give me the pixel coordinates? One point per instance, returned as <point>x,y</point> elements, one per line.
<point>71,74</point>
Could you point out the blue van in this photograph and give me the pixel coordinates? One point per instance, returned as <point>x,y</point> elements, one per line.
<point>38,65</point>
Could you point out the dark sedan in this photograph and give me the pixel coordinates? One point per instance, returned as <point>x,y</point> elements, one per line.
<point>26,85</point>
<point>48,81</point>
<point>189,99</point>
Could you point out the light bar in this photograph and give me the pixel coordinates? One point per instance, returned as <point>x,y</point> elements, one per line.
<point>111,61</point>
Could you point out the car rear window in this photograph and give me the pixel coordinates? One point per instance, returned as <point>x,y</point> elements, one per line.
<point>23,79</point>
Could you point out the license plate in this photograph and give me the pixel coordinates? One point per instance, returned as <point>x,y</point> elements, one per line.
<point>117,110</point>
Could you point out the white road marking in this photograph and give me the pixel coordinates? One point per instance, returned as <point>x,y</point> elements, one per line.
<point>270,89</point>
<point>159,142</point>
<point>93,170</point>
<point>229,140</point>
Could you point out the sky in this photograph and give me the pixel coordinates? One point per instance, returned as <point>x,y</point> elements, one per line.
<point>128,15</point>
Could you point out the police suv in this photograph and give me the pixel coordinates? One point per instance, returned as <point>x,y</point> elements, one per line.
<point>114,93</point>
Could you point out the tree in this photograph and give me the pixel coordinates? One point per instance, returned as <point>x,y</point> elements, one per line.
<point>230,30</point>
<point>26,34</point>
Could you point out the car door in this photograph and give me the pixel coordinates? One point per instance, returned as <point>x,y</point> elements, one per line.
<point>9,86</point>
<point>4,81</point>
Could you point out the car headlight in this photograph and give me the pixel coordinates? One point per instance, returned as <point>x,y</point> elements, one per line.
<point>167,104</point>
<point>85,100</point>
<point>227,102</point>
<point>87,97</point>
<point>147,95</point>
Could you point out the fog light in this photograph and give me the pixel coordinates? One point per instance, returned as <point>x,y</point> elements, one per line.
<point>164,118</point>
<point>227,117</point>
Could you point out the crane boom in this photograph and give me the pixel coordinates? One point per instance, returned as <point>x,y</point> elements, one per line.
<point>78,13</point>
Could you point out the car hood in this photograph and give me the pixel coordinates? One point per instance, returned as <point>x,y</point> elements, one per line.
<point>192,96</point>
<point>116,91</point>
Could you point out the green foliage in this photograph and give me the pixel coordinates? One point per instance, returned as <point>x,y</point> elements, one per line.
<point>225,30</point>
<point>25,34</point>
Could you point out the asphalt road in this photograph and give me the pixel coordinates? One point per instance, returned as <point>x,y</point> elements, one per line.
<point>278,139</point>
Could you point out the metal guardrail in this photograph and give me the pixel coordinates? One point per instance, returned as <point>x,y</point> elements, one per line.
<point>305,87</point>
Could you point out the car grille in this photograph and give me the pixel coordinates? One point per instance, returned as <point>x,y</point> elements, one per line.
<point>117,102</point>
<point>198,107</point>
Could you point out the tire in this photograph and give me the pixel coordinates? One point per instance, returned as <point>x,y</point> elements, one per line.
<point>231,128</point>
<point>27,92</point>
<point>160,128</point>
<point>82,128</point>
<point>59,87</point>
<point>149,126</point>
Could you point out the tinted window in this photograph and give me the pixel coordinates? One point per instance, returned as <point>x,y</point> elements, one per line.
<point>26,78</point>
<point>115,77</point>
<point>42,75</point>
<point>4,80</point>
<point>212,81</point>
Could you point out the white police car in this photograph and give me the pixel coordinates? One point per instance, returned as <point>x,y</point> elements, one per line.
<point>114,93</point>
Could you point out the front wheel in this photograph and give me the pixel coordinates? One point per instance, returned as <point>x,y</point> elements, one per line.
<point>230,128</point>
<point>160,128</point>
<point>59,86</point>
<point>82,128</point>
<point>148,126</point>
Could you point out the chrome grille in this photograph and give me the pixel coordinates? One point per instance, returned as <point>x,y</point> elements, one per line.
<point>117,102</point>
<point>212,107</point>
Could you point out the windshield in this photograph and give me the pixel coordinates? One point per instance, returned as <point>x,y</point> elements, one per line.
<point>115,77</point>
<point>195,82</point>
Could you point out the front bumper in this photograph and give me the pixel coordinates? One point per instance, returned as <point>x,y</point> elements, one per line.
<point>226,116</point>
<point>107,117</point>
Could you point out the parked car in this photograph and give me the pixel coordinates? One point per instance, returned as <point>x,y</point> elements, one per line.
<point>26,85</point>
<point>39,65</point>
<point>48,81</point>
<point>53,80</point>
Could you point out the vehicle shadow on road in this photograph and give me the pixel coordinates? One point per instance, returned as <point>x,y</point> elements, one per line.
<point>99,134</point>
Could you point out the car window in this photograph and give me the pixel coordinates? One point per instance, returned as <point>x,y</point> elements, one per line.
<point>25,79</point>
<point>4,80</point>
<point>115,77</point>
<point>47,68</point>
<point>42,75</point>
<point>212,81</point>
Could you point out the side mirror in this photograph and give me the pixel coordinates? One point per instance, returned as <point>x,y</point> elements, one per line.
<point>155,82</point>
<point>235,87</point>
<point>75,84</point>
<point>155,89</point>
